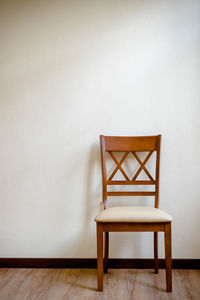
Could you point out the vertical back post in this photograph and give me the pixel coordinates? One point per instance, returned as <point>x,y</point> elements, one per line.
<point>103,168</point>
<point>157,171</point>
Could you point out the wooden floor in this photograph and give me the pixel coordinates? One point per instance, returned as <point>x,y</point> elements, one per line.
<point>54,284</point>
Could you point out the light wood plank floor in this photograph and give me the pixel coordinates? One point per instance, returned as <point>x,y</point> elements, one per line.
<point>62,284</point>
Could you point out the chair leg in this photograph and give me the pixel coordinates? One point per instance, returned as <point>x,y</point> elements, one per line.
<point>106,252</point>
<point>156,252</point>
<point>168,258</point>
<point>100,255</point>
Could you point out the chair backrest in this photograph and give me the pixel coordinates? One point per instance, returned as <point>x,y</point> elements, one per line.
<point>132,145</point>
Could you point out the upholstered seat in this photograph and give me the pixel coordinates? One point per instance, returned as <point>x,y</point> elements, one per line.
<point>133,214</point>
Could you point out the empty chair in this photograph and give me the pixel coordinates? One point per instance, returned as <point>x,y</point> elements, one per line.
<point>132,218</point>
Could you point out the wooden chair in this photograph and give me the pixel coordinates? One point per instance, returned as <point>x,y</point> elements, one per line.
<point>132,218</point>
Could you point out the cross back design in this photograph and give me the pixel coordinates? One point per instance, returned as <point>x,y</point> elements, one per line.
<point>119,166</point>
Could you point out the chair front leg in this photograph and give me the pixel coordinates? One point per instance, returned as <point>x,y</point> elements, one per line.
<point>156,252</point>
<point>168,257</point>
<point>100,255</point>
<point>106,252</point>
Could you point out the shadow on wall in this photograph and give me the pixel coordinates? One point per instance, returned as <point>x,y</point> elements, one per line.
<point>86,238</point>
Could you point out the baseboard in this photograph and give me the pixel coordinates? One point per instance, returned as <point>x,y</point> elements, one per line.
<point>91,263</point>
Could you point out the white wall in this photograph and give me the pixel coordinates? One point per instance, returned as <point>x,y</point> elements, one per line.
<point>71,70</point>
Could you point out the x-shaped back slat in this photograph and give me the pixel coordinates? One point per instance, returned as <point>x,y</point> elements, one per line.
<point>142,166</point>
<point>119,166</point>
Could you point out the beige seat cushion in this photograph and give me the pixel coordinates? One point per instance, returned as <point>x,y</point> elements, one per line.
<point>133,214</point>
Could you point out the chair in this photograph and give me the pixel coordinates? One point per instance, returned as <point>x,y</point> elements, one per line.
<point>132,218</point>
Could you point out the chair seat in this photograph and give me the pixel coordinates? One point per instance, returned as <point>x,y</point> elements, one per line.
<point>133,214</point>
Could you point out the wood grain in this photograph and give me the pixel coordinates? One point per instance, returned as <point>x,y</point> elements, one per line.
<point>123,144</point>
<point>168,256</point>
<point>100,256</point>
<point>64,284</point>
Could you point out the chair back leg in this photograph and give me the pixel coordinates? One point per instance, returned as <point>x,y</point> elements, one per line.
<point>106,252</point>
<point>156,252</point>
